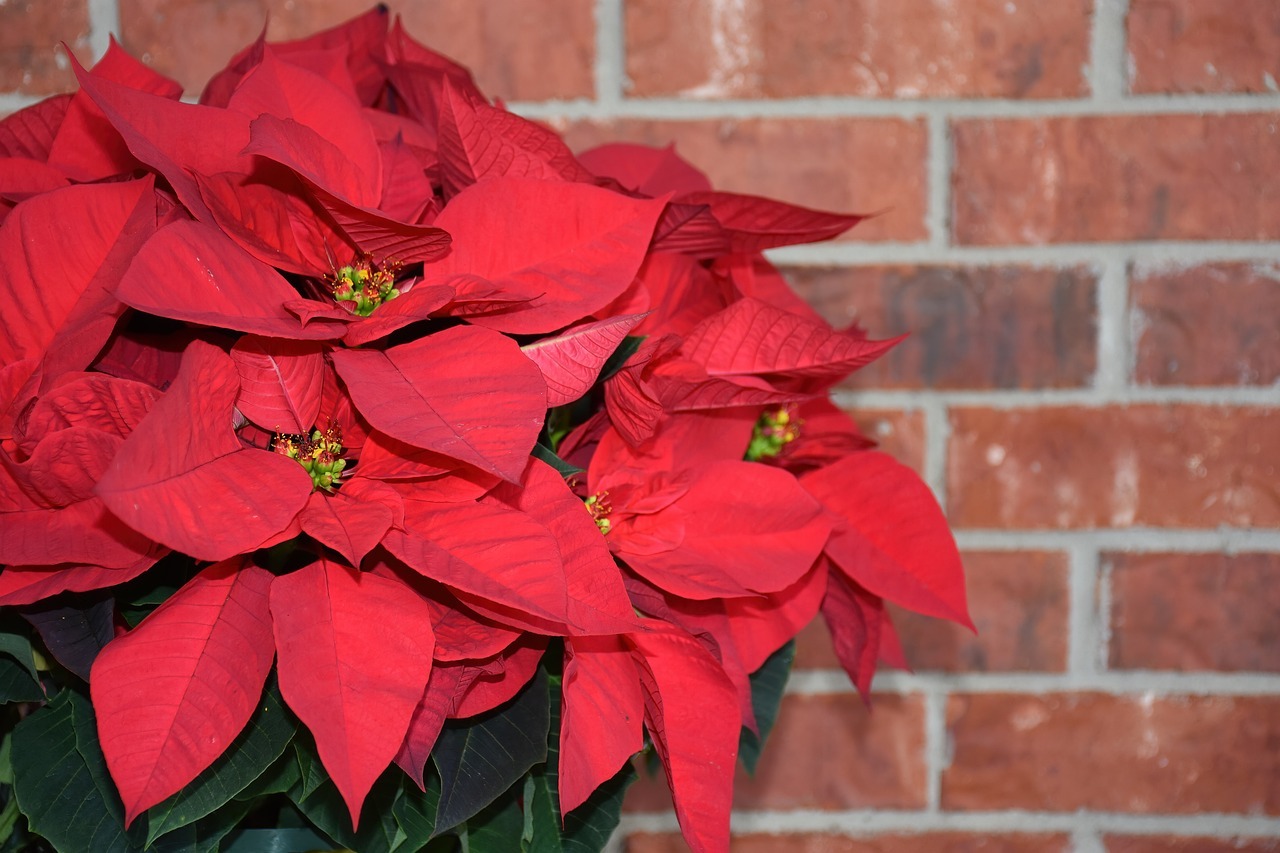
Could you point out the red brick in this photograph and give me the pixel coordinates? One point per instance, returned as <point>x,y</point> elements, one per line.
<point>1113,466</point>
<point>844,164</point>
<point>929,842</point>
<point>1099,178</point>
<point>1019,602</point>
<point>969,327</point>
<point>1203,46</point>
<point>1148,754</point>
<point>827,752</point>
<point>866,48</point>
<point>898,433</point>
<point>1195,611</point>
<point>1208,325</point>
<point>518,49</point>
<point>32,61</point>
<point>1183,844</point>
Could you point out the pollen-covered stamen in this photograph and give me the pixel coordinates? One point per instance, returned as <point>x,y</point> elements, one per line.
<point>319,455</point>
<point>365,284</point>
<point>775,429</point>
<point>600,508</point>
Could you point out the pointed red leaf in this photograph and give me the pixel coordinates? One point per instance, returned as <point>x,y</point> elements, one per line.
<point>571,361</point>
<point>349,526</point>
<point>29,584</point>
<point>279,382</point>
<point>407,193</point>
<point>184,479</point>
<point>95,400</point>
<point>601,716</point>
<point>855,618</point>
<point>598,600</point>
<point>753,338</point>
<point>192,272</point>
<point>178,140</point>
<point>419,303</point>
<point>739,530</point>
<point>478,141</point>
<point>755,224</point>
<point>761,626</point>
<point>644,168</point>
<point>568,248</point>
<point>467,393</point>
<point>172,694</point>
<point>71,277</point>
<point>30,131</point>
<point>22,178</point>
<point>336,150</point>
<point>87,147</point>
<point>435,706</point>
<point>355,656</point>
<point>501,679</point>
<point>691,712</point>
<point>892,537</point>
<point>497,560</point>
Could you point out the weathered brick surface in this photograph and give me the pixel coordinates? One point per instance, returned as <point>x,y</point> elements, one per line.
<point>928,842</point>
<point>1207,325</point>
<point>32,61</point>
<point>1203,46</point>
<point>858,165</point>
<point>1172,844</point>
<point>1019,603</point>
<point>796,770</point>
<point>969,327</point>
<point>518,49</point>
<point>898,433</point>
<point>1195,611</point>
<point>1143,754</point>
<point>1113,466</point>
<point>1107,178</point>
<point>867,48</point>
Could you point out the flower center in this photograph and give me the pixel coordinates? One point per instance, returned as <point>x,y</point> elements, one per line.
<point>365,284</point>
<point>319,455</point>
<point>600,508</point>
<point>774,429</point>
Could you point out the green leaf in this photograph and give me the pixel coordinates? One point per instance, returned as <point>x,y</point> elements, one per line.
<point>625,350</point>
<point>480,758</point>
<point>279,778</point>
<point>9,817</point>
<point>16,684</point>
<point>767,684</point>
<point>547,455</point>
<point>587,828</point>
<point>497,828</point>
<point>62,783</point>
<point>255,749</point>
<point>205,835</point>
<point>18,647</point>
<point>318,798</point>
<point>415,811</point>
<point>290,840</point>
<point>19,678</point>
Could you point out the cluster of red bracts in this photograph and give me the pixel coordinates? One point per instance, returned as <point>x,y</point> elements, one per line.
<point>346,254</point>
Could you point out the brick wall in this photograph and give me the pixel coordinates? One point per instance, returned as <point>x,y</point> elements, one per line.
<point>1082,228</point>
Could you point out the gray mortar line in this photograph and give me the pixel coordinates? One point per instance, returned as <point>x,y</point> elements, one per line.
<point>937,431</point>
<point>609,71</point>
<point>1167,255</point>
<point>872,108</point>
<point>1082,613</point>
<point>1225,540</point>
<point>857,823</point>
<point>1106,71</point>
<point>1086,840</point>
<point>1131,683</point>
<point>1267,396</point>
<point>1114,370</point>
<point>938,168</point>
<point>936,747</point>
<point>104,21</point>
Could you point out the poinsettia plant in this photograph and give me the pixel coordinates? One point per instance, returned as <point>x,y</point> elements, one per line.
<point>376,472</point>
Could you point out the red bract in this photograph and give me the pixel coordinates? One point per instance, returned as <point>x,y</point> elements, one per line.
<point>450,410</point>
